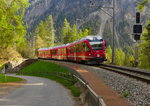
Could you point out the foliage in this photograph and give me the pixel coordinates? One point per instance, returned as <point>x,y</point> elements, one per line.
<point>12,29</point>
<point>83,33</point>
<point>121,58</point>
<point>70,34</point>
<point>42,68</point>
<point>44,32</point>
<point>8,54</point>
<point>144,57</point>
<point>75,91</point>
<point>40,42</point>
<point>125,94</point>
<point>109,54</point>
<point>66,29</point>
<point>142,4</point>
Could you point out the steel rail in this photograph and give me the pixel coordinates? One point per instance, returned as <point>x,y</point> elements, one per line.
<point>139,74</point>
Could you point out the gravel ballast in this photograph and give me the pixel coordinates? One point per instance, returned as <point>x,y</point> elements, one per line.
<point>137,92</point>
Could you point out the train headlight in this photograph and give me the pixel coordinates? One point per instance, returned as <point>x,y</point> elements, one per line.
<point>89,54</point>
<point>98,55</point>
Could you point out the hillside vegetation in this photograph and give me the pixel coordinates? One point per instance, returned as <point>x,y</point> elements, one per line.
<point>27,26</point>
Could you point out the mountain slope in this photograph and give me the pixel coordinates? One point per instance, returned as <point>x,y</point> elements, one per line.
<point>89,16</point>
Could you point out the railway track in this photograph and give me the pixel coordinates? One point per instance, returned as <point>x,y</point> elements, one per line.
<point>138,74</point>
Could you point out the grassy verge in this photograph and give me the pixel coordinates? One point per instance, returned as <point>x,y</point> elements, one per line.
<point>48,70</point>
<point>5,79</point>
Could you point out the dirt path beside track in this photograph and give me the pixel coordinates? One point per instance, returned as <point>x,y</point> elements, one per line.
<point>111,97</point>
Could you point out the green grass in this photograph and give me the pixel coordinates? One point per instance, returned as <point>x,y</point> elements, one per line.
<point>5,79</point>
<point>125,94</point>
<point>48,70</point>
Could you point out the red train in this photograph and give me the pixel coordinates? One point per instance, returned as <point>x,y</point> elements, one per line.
<point>88,49</point>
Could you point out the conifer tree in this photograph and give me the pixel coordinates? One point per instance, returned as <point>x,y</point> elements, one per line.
<point>66,29</point>
<point>44,32</point>
<point>83,33</point>
<point>73,34</point>
<point>49,27</point>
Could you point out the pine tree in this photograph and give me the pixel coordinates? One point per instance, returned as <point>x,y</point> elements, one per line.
<point>44,32</point>
<point>49,27</point>
<point>83,33</point>
<point>66,29</point>
<point>73,34</point>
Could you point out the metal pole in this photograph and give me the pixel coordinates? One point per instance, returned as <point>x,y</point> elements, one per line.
<point>136,54</point>
<point>113,36</point>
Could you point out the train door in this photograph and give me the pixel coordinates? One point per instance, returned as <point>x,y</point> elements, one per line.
<point>87,51</point>
<point>58,55</point>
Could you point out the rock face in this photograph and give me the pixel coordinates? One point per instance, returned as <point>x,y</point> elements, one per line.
<point>81,9</point>
<point>13,66</point>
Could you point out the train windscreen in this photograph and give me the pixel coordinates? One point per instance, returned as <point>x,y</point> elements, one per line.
<point>96,44</point>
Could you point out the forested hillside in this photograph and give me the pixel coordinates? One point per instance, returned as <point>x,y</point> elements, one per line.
<point>25,27</point>
<point>79,12</point>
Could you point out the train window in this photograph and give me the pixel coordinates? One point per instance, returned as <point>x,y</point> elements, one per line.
<point>58,51</point>
<point>79,47</point>
<point>96,45</point>
<point>86,47</point>
<point>53,52</point>
<point>64,51</point>
<point>71,49</point>
<point>95,40</point>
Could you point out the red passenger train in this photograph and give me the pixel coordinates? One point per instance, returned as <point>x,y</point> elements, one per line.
<point>88,49</point>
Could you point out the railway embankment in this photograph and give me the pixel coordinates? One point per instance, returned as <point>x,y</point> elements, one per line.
<point>134,91</point>
<point>94,91</point>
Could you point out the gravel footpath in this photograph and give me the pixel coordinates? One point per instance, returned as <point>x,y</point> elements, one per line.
<point>137,91</point>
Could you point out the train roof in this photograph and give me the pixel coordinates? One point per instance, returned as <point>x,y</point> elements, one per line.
<point>97,37</point>
<point>91,38</point>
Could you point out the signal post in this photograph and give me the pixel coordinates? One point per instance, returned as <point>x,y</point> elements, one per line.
<point>137,31</point>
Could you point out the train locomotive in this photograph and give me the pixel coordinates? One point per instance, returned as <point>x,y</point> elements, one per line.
<point>88,49</point>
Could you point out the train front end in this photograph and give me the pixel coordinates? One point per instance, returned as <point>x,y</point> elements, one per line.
<point>97,49</point>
